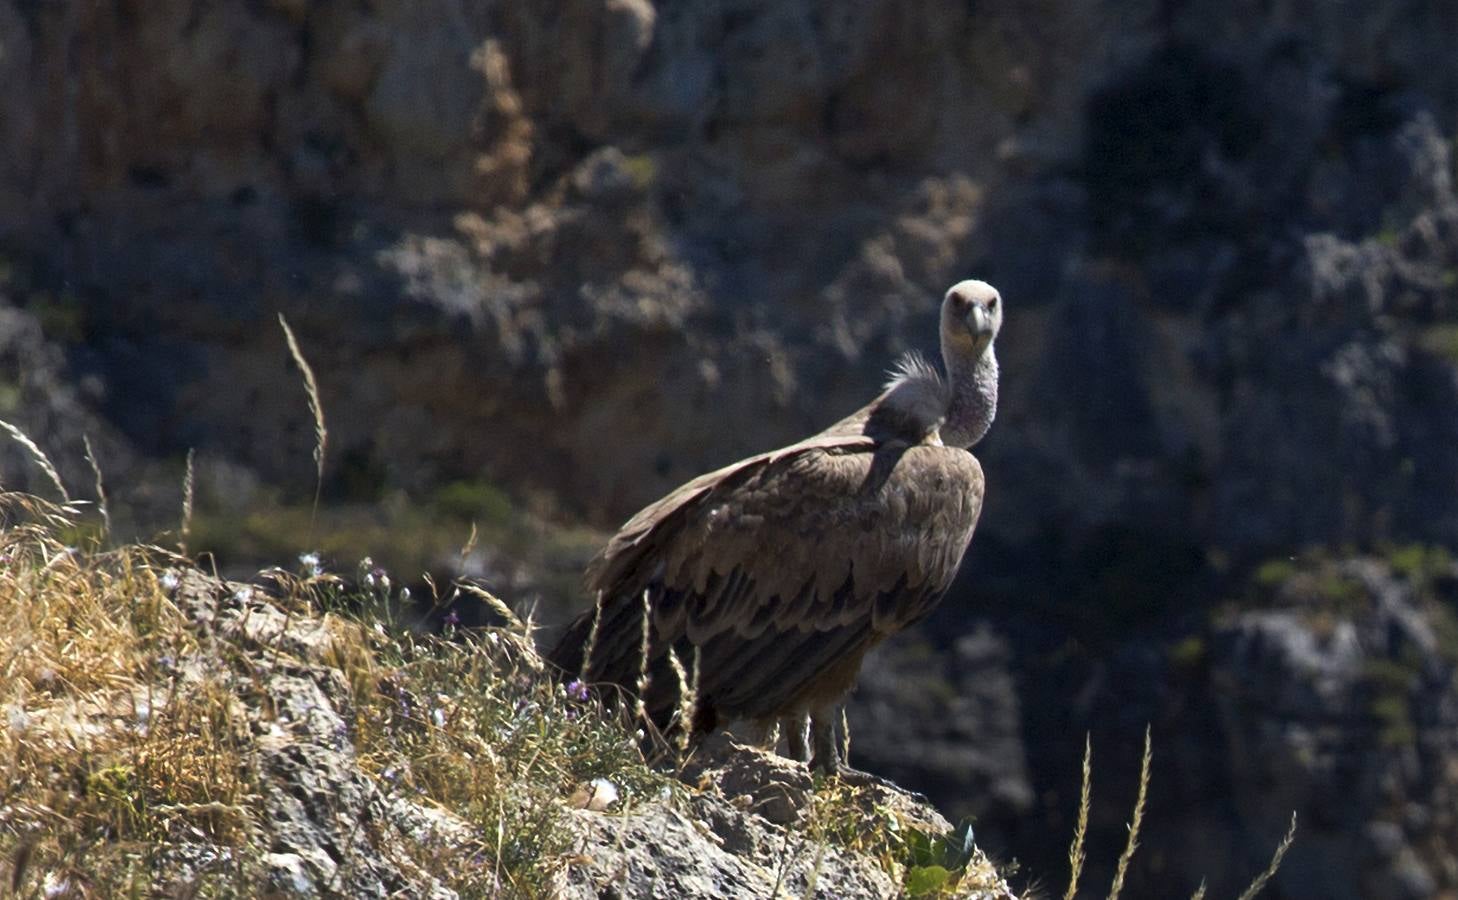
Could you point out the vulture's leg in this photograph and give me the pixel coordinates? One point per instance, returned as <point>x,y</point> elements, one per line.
<point>824,754</point>
<point>796,747</point>
<point>827,759</point>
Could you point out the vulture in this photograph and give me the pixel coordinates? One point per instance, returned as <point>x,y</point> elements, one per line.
<point>772,577</point>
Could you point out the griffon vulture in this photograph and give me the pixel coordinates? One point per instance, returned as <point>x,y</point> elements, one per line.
<point>778,573</point>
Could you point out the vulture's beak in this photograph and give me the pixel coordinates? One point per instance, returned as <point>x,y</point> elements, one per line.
<point>979,320</point>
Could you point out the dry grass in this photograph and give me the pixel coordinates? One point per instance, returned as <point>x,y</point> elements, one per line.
<point>1080,830</point>
<point>687,701</point>
<point>1132,843</point>
<point>497,605</point>
<point>108,749</point>
<point>640,710</point>
<point>1270,870</point>
<point>125,729</point>
<point>39,456</point>
<point>101,503</point>
<point>189,492</point>
<point>478,726</point>
<point>316,407</point>
<point>591,644</point>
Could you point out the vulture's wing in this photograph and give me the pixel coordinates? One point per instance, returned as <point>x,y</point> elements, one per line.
<point>778,565</point>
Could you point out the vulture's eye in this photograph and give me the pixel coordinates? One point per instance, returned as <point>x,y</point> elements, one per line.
<point>992,303</point>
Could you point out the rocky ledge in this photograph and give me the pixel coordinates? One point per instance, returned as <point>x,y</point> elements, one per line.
<point>329,735</point>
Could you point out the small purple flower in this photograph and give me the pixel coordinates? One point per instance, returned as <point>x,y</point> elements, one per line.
<point>452,619</point>
<point>576,690</point>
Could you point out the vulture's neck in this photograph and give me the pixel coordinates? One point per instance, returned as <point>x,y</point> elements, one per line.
<point>972,385</point>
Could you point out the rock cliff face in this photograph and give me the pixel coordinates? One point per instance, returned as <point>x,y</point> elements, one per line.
<point>505,226</point>
<point>585,250</point>
<point>1337,699</point>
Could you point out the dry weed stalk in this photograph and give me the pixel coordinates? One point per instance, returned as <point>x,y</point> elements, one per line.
<point>687,701</point>
<point>815,871</point>
<point>1080,831</point>
<point>188,482</point>
<point>641,709</point>
<point>469,545</point>
<point>100,487</point>
<point>316,408</point>
<point>1135,822</point>
<point>693,711</point>
<point>1076,853</point>
<point>513,621</point>
<point>41,460</point>
<point>786,858</point>
<point>591,639</point>
<point>1270,870</point>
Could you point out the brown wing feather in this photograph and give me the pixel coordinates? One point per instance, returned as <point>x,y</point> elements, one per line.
<point>626,548</point>
<point>777,566</point>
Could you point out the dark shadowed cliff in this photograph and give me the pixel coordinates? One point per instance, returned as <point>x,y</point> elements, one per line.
<point>550,260</point>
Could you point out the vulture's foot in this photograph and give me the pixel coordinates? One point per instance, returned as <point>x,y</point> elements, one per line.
<point>859,778</point>
<point>826,760</point>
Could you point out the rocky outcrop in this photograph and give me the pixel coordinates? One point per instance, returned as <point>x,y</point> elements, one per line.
<point>1322,687</point>
<point>278,685</point>
<point>1339,703</point>
<point>331,828</point>
<point>725,847</point>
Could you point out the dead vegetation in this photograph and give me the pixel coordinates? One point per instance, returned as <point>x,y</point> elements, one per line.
<point>1076,856</point>
<point>109,748</point>
<point>132,726</point>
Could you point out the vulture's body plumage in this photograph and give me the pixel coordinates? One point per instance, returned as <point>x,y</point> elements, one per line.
<point>776,574</point>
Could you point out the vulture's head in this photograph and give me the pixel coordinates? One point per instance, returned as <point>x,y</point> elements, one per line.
<point>971,316</point>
